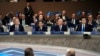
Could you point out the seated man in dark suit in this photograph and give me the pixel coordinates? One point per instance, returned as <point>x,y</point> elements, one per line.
<point>22,20</point>
<point>91,21</point>
<point>40,27</point>
<point>17,27</point>
<point>60,26</point>
<point>84,26</point>
<point>73,21</point>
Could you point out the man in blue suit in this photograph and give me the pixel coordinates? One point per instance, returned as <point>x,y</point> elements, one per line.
<point>84,26</point>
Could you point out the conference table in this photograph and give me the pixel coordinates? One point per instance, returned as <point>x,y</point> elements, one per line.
<point>66,39</point>
<point>50,33</point>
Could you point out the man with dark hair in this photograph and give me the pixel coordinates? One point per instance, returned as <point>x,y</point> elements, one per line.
<point>84,26</point>
<point>28,52</point>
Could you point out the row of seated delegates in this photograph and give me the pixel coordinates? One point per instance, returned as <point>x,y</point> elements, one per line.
<point>40,17</point>
<point>40,26</point>
<point>71,22</point>
<point>60,26</point>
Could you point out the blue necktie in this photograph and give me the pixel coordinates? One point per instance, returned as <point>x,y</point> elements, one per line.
<point>83,28</point>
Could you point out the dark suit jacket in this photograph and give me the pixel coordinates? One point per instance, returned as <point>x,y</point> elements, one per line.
<point>6,20</point>
<point>66,18</point>
<point>3,21</point>
<point>28,13</point>
<point>12,28</point>
<point>1,29</point>
<point>37,28</point>
<point>94,24</point>
<point>87,27</point>
<point>56,28</point>
<point>70,23</point>
<point>21,21</point>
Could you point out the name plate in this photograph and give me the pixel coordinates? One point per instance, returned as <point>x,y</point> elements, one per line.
<point>38,32</point>
<point>20,33</point>
<point>77,32</point>
<point>4,33</point>
<point>95,33</point>
<point>57,32</point>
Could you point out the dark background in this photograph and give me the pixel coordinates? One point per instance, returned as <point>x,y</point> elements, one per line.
<point>69,6</point>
